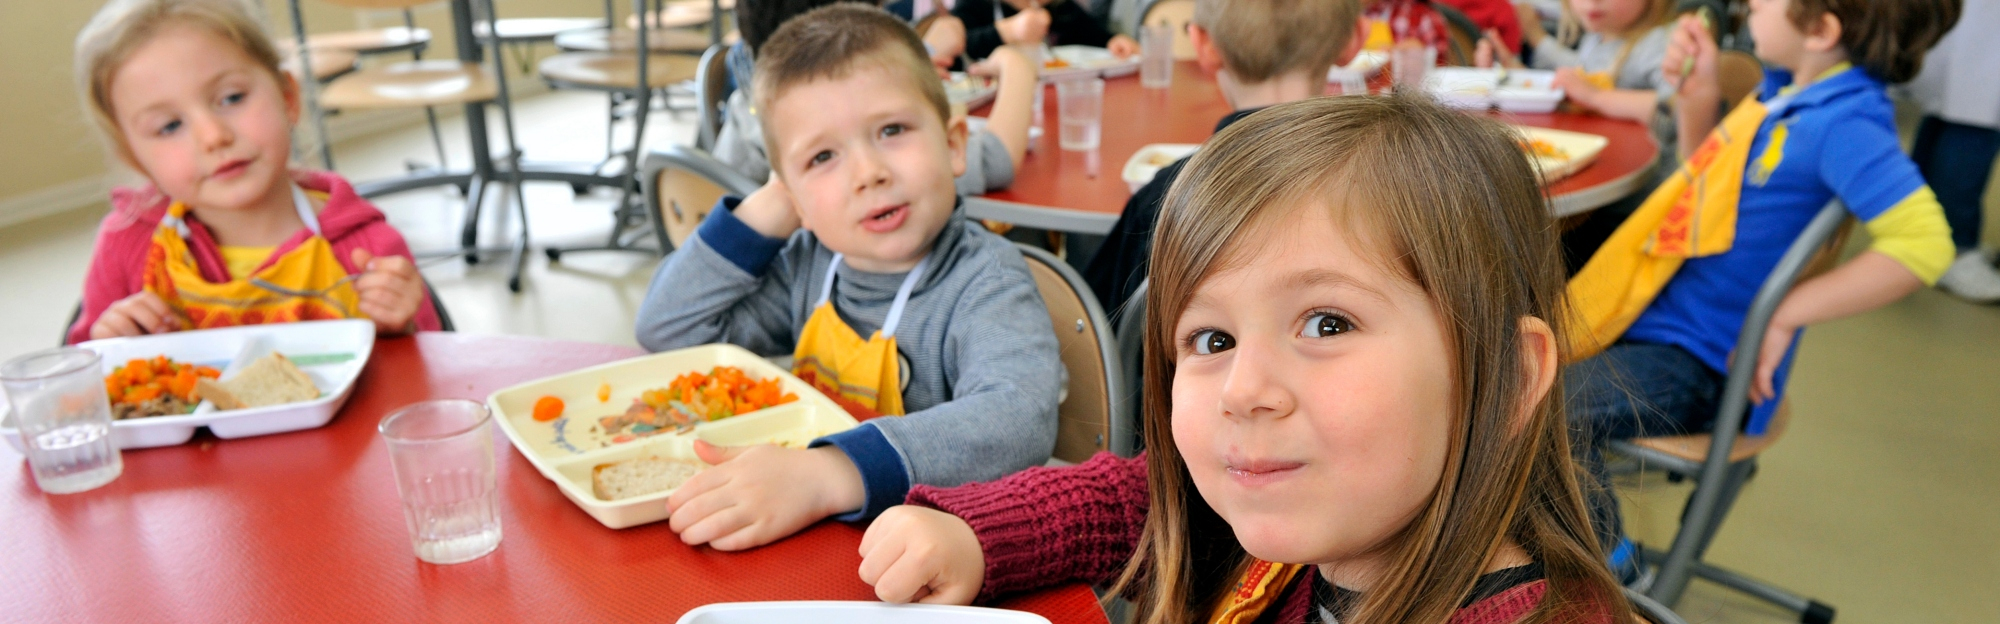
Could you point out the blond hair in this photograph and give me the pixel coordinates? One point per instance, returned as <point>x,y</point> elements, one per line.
<point>123,26</point>
<point>1447,201</point>
<point>1264,39</point>
<point>828,43</point>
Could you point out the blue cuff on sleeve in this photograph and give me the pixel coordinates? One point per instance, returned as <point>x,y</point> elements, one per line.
<point>737,243</point>
<point>883,482</point>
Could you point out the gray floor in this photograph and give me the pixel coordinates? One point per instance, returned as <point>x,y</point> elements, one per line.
<point>1881,500</point>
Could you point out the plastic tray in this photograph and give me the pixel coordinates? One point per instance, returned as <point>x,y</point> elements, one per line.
<point>230,349</point>
<point>833,612</point>
<point>1579,150</point>
<point>1149,160</point>
<point>1521,90</point>
<point>969,90</point>
<point>1366,63</point>
<point>1086,61</point>
<point>566,449</point>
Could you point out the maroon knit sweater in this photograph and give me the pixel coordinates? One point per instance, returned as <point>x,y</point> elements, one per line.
<point>1047,526</point>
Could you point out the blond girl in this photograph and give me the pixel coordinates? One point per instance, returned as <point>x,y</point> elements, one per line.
<point>189,94</point>
<point>1607,56</point>
<point>1354,352</point>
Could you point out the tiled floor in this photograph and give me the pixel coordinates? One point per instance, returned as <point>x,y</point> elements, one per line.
<point>1880,501</point>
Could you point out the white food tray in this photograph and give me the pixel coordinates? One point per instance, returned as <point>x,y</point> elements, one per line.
<point>1518,91</point>
<point>230,349</point>
<point>1086,61</point>
<point>1578,151</point>
<point>567,448</point>
<point>1149,160</point>
<point>835,612</point>
<point>1366,63</point>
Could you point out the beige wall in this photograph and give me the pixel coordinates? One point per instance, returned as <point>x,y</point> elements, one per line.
<point>49,157</point>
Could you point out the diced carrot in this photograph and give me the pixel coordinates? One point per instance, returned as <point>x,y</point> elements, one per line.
<point>548,408</point>
<point>604,393</point>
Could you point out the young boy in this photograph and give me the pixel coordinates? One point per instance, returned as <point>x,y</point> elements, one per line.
<point>1666,296</point>
<point>856,259</point>
<point>1263,52</point>
<point>992,155</point>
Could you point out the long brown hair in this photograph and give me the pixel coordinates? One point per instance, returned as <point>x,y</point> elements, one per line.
<point>1449,202</point>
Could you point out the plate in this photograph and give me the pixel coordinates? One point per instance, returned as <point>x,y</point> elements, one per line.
<point>1520,90</point>
<point>1147,162</point>
<point>836,612</point>
<point>1577,150</point>
<point>1086,61</point>
<point>565,449</point>
<point>1366,63</point>
<point>972,91</point>
<point>331,352</point>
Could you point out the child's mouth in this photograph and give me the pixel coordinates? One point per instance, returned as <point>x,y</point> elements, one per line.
<point>231,169</point>
<point>1261,472</point>
<point>886,219</point>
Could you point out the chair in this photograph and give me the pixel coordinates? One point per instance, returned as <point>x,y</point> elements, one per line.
<point>711,80</point>
<point>1131,333</point>
<point>1175,12</point>
<point>1722,461</point>
<point>1651,611</point>
<point>1739,73</point>
<point>360,43</point>
<point>1093,401</point>
<point>682,184</point>
<point>1461,31</point>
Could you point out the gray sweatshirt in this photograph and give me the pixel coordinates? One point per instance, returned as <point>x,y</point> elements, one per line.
<point>981,371</point>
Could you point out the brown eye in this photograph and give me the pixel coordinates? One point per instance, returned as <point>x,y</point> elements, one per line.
<point>1209,341</point>
<point>1324,325</point>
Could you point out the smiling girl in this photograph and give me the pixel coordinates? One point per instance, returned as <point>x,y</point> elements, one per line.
<point>189,93</point>
<point>1355,349</point>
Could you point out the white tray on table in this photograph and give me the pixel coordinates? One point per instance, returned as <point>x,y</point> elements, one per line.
<point>566,448</point>
<point>1087,61</point>
<point>332,353</point>
<point>1516,91</point>
<point>837,612</point>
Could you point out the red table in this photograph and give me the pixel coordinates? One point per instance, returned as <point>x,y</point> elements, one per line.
<point>307,526</point>
<point>1053,191</point>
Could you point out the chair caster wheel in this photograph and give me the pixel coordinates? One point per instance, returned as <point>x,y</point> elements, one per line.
<point>555,255</point>
<point>1817,613</point>
<point>514,285</point>
<point>471,259</point>
<point>579,190</point>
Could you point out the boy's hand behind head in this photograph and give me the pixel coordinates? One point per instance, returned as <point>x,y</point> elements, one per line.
<point>769,210</point>
<point>756,495</point>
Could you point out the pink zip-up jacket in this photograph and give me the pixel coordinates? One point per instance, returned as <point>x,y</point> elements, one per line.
<point>118,262</point>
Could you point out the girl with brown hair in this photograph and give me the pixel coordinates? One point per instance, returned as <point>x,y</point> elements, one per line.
<point>1355,319</point>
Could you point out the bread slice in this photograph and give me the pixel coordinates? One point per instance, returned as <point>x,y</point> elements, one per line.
<point>271,380</point>
<point>640,476</point>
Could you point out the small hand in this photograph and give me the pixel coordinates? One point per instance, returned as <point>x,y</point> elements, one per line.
<point>769,209</point>
<point>1577,87</point>
<point>1492,51</point>
<point>946,38</point>
<point>1690,61</point>
<point>915,554</point>
<point>391,290</point>
<point>1777,340</point>
<point>755,495</point>
<point>139,314</point>
<point>1122,46</point>
<point>1031,25</point>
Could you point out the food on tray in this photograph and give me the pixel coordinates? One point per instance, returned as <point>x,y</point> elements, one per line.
<point>1159,159</point>
<point>640,476</point>
<point>155,387</point>
<point>1055,63</point>
<point>548,408</point>
<point>604,393</point>
<point>723,392</point>
<point>1542,149</point>
<point>271,380</point>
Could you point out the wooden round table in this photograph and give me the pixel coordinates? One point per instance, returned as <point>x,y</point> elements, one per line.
<point>1053,189</point>
<point>307,526</point>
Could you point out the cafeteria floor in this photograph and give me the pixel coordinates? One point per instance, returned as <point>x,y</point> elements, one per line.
<point>1881,500</point>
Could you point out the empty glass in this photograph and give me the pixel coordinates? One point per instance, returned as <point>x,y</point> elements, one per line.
<point>442,453</point>
<point>1408,64</point>
<point>1080,104</point>
<point>1156,56</point>
<point>64,417</point>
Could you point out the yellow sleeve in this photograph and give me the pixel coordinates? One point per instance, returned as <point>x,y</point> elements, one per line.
<point>1914,232</point>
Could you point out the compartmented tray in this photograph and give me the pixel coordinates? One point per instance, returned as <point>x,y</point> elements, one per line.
<point>567,448</point>
<point>332,353</point>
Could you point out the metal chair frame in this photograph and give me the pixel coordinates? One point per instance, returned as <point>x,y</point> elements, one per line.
<point>1116,414</point>
<point>691,160</point>
<point>1131,334</point>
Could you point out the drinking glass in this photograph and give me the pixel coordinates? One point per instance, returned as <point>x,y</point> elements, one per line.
<point>59,406</point>
<point>442,453</point>
<point>1080,105</point>
<point>1408,64</point>
<point>1156,56</point>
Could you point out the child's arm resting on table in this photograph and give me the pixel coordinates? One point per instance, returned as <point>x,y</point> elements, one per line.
<point>1035,528</point>
<point>720,285</point>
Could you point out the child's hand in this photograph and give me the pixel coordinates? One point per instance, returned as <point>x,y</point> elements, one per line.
<point>1690,63</point>
<point>915,554</point>
<point>946,38</point>
<point>1122,46</point>
<point>1577,87</point>
<point>390,289</point>
<point>142,313</point>
<point>769,209</point>
<point>1492,51</point>
<point>1777,340</point>
<point>1031,25</point>
<point>756,495</point>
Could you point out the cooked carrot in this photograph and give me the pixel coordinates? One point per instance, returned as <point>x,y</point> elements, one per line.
<point>548,408</point>
<point>603,393</point>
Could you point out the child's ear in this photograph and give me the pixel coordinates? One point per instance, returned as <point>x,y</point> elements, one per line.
<point>1206,54</point>
<point>289,85</point>
<point>1539,362</point>
<point>1824,35</point>
<point>955,138</point>
<point>1355,40</point>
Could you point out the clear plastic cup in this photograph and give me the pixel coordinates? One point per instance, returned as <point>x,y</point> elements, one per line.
<point>1080,105</point>
<point>442,452</point>
<point>1156,56</point>
<point>1408,64</point>
<point>59,406</point>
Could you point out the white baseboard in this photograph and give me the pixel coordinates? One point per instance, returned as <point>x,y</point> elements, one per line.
<point>48,200</point>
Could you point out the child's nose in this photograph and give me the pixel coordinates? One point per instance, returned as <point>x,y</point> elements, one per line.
<point>212,132</point>
<point>1253,388</point>
<point>870,169</point>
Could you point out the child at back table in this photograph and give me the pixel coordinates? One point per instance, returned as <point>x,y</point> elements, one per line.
<point>856,259</point>
<point>1613,68</point>
<point>1666,296</point>
<point>190,94</point>
<point>1348,408</point>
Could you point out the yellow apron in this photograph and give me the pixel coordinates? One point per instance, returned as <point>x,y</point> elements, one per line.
<point>1691,215</point>
<point>852,371</point>
<point>1255,592</point>
<point>307,283</point>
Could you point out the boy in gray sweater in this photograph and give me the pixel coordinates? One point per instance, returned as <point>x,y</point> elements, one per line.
<point>856,259</point>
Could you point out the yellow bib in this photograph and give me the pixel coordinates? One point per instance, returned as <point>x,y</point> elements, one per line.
<point>1255,592</point>
<point>854,372</point>
<point>305,284</point>
<point>1691,215</point>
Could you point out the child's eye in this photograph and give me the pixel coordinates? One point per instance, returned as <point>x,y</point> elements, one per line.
<point>1210,341</point>
<point>1325,324</point>
<point>893,129</point>
<point>820,158</point>
<point>169,128</point>
<point>233,98</point>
